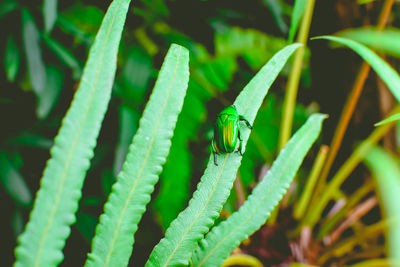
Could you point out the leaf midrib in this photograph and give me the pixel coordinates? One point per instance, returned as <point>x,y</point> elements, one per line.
<point>116,232</point>
<point>198,215</point>
<point>215,185</point>
<point>73,147</point>
<point>255,210</point>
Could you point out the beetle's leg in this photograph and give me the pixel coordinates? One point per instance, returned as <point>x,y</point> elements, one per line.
<point>240,143</point>
<point>242,118</point>
<point>215,158</point>
<point>214,153</point>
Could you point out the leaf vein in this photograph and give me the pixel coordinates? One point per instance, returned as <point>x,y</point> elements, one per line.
<point>73,147</point>
<point>116,232</point>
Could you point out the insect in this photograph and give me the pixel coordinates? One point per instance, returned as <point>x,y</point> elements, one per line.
<point>227,132</point>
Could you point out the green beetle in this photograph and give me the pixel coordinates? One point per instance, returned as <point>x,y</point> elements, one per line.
<point>227,132</point>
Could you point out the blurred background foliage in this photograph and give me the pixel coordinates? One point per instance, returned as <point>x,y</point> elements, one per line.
<point>45,44</point>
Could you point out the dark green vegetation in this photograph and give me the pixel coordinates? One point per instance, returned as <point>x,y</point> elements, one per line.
<point>120,100</point>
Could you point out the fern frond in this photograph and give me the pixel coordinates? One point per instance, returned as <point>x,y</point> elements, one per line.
<point>57,199</point>
<point>112,245</point>
<point>191,224</point>
<point>222,239</point>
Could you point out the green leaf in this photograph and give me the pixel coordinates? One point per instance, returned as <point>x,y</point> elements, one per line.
<point>36,67</point>
<point>263,143</point>
<point>13,182</point>
<point>384,70</point>
<point>382,40</point>
<point>57,199</point>
<point>49,14</point>
<point>11,59</point>
<point>112,245</point>
<point>64,55</point>
<point>189,227</point>
<point>173,179</point>
<point>297,14</point>
<point>224,238</point>
<point>167,205</point>
<point>49,97</point>
<point>7,7</point>
<point>387,172</point>
<point>394,117</point>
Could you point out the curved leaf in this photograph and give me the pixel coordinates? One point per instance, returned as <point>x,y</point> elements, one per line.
<point>387,173</point>
<point>114,238</point>
<point>394,117</point>
<point>57,199</point>
<point>385,40</point>
<point>191,224</point>
<point>385,71</point>
<point>222,239</point>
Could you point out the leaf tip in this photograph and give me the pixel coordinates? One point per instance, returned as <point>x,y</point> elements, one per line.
<point>178,47</point>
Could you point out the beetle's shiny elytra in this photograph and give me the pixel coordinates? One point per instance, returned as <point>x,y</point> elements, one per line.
<point>227,132</point>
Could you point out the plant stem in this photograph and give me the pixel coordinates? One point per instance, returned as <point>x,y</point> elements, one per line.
<point>294,78</point>
<point>304,201</point>
<point>351,103</point>
<point>347,168</point>
<point>353,199</point>
<point>354,216</point>
<point>347,245</point>
<point>289,102</point>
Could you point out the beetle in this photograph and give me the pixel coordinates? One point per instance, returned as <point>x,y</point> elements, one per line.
<point>227,132</point>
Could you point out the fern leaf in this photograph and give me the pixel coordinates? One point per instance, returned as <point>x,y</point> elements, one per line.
<point>114,238</point>
<point>57,199</point>
<point>191,224</point>
<point>222,239</point>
